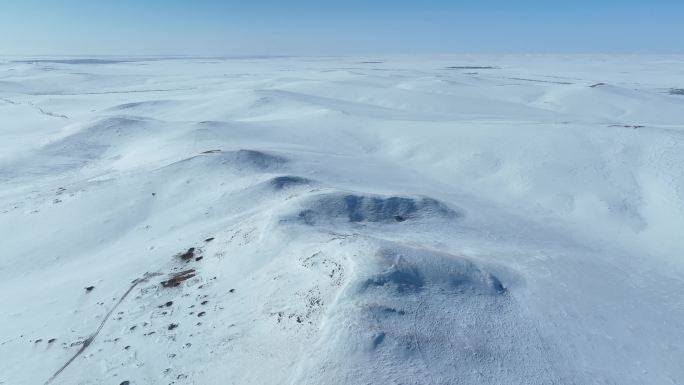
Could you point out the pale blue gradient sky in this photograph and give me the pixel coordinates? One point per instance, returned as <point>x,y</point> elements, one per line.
<point>307,27</point>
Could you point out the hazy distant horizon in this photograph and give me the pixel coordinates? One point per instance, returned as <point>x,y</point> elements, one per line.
<point>334,28</point>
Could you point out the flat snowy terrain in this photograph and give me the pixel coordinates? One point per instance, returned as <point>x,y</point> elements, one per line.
<point>434,220</point>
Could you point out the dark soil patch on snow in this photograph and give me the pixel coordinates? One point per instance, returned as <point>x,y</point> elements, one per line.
<point>177,278</point>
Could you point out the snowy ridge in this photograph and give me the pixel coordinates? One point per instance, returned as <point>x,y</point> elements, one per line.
<point>445,220</point>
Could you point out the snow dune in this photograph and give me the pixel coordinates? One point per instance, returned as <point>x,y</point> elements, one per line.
<point>402,220</point>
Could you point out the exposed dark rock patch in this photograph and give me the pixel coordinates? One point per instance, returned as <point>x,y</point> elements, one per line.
<point>359,208</point>
<point>188,254</point>
<point>378,339</point>
<point>633,126</point>
<point>406,271</point>
<point>177,278</point>
<point>287,181</point>
<point>402,277</point>
<point>383,311</point>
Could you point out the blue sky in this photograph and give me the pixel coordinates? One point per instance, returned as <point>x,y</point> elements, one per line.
<point>336,27</point>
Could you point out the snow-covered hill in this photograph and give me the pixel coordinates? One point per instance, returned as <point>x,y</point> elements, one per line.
<point>403,220</point>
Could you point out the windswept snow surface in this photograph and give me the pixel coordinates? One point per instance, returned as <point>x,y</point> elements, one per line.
<point>404,220</point>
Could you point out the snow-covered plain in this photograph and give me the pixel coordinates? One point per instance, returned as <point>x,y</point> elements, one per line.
<point>404,220</point>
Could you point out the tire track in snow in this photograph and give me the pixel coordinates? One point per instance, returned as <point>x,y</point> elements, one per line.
<point>92,337</point>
